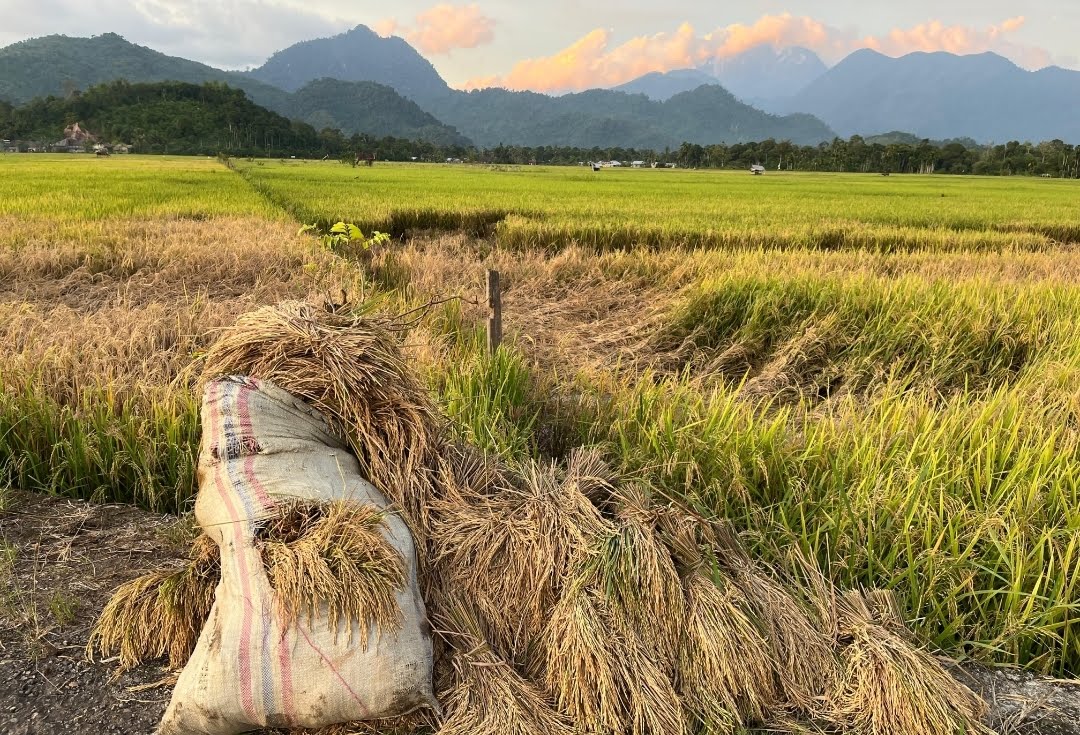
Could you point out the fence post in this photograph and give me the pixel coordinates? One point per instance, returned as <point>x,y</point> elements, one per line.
<point>494,323</point>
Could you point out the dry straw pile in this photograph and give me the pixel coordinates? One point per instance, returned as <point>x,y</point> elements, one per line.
<point>564,598</point>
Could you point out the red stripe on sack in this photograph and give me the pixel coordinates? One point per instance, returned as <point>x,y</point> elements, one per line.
<point>247,699</point>
<point>264,499</point>
<point>365,712</point>
<point>288,707</point>
<point>247,431</point>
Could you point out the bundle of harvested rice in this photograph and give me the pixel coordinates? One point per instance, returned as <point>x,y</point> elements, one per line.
<point>723,665</point>
<point>321,558</point>
<point>567,599</point>
<point>487,695</point>
<point>330,559</point>
<point>891,686</point>
<point>352,370</point>
<point>160,613</point>
<point>539,527</point>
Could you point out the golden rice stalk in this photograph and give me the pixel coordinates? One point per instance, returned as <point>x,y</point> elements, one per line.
<point>159,613</point>
<point>537,529</point>
<point>602,675</point>
<point>725,674</point>
<point>589,473</point>
<point>351,369</point>
<point>801,646</point>
<point>332,559</point>
<point>891,687</point>
<point>487,695</point>
<point>637,577</point>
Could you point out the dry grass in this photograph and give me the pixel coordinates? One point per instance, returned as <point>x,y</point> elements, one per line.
<point>127,304</point>
<point>579,311</point>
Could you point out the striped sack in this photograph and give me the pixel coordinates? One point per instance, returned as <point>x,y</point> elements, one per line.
<point>252,667</point>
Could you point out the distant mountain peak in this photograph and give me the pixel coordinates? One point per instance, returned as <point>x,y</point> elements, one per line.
<point>356,55</point>
<point>765,72</point>
<point>662,86</point>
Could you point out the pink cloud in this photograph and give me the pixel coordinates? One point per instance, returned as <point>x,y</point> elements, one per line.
<point>386,27</point>
<point>936,36</point>
<point>443,28</point>
<point>595,61</point>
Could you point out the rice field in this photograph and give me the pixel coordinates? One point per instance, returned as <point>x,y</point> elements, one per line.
<point>547,207</point>
<point>881,372</point>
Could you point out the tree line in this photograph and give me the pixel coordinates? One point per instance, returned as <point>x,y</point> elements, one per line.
<point>212,118</point>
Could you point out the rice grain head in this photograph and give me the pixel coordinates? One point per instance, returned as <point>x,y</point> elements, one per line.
<point>487,695</point>
<point>601,673</point>
<point>801,645</point>
<point>638,579</point>
<point>725,674</point>
<point>537,526</point>
<point>332,559</point>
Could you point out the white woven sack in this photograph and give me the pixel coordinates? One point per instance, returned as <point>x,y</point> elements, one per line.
<point>250,668</point>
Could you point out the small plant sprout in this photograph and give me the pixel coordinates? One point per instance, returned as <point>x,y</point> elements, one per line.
<point>344,236</point>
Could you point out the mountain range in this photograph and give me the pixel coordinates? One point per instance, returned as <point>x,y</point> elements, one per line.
<point>360,82</point>
<point>941,95</point>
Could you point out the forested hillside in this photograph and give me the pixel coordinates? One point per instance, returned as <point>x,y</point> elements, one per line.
<point>163,117</point>
<point>370,108</point>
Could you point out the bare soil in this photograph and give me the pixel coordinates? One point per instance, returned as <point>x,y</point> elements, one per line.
<point>61,559</point>
<point>59,562</point>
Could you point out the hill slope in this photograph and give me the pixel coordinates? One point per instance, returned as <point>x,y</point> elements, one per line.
<point>360,55</point>
<point>661,86</point>
<point>366,107</point>
<point>57,65</point>
<point>603,118</point>
<point>941,95</point>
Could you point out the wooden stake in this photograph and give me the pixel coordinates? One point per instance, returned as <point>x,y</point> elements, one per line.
<point>494,323</point>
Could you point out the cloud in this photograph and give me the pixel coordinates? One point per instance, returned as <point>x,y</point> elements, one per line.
<point>443,28</point>
<point>936,36</point>
<point>206,30</point>
<point>595,61</point>
<point>386,27</point>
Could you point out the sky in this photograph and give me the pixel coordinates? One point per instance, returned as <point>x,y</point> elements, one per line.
<point>561,45</point>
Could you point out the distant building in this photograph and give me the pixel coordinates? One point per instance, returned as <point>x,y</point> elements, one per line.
<point>76,140</point>
<point>637,164</point>
<point>757,169</point>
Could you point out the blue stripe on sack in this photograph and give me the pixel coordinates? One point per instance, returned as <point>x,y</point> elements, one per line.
<point>268,689</point>
<point>229,418</point>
